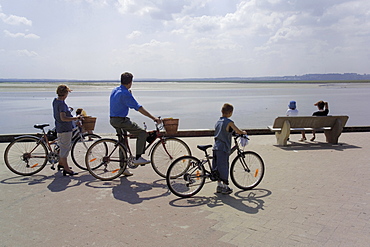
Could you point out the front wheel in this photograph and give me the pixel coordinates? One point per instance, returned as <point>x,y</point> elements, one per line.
<point>26,156</point>
<point>165,151</point>
<point>185,176</point>
<point>80,147</point>
<point>247,170</point>
<point>106,159</point>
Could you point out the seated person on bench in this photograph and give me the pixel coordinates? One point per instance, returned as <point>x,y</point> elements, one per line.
<point>321,112</point>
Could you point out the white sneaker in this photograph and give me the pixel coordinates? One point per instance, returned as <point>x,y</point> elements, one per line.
<point>141,161</point>
<point>127,173</point>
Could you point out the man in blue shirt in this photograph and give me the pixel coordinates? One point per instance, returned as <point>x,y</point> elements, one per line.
<point>121,100</point>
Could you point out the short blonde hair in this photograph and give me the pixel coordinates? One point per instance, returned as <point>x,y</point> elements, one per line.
<point>62,90</point>
<point>227,108</point>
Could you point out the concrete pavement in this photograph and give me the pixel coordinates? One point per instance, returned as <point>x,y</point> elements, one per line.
<point>313,194</point>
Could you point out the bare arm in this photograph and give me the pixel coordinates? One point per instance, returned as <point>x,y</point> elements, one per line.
<point>236,129</point>
<point>147,114</point>
<point>64,117</point>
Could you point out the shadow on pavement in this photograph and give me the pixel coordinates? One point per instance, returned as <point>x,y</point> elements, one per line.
<point>296,146</point>
<point>135,192</point>
<point>245,201</point>
<point>57,182</point>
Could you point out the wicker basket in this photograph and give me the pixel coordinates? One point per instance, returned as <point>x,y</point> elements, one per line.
<point>88,123</point>
<point>171,125</point>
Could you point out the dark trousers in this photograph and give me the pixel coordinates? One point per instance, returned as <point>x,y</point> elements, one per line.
<point>220,163</point>
<point>126,124</point>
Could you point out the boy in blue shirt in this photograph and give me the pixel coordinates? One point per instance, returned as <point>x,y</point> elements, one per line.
<point>222,147</point>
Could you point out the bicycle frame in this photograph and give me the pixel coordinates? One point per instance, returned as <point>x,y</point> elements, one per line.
<point>123,138</point>
<point>51,156</point>
<point>208,173</point>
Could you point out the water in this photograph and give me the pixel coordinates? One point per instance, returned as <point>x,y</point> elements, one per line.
<point>197,105</point>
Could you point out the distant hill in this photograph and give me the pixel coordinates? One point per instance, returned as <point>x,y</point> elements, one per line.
<point>306,77</point>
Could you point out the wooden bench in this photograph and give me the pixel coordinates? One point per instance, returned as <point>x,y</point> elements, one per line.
<point>331,125</point>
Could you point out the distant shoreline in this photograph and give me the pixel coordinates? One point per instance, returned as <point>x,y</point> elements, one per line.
<point>307,78</point>
<point>84,82</point>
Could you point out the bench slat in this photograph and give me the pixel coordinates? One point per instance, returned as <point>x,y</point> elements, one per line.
<point>298,129</point>
<point>308,121</point>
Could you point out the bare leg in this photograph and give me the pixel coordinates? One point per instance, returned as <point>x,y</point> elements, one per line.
<point>314,135</point>
<point>303,136</point>
<point>63,162</point>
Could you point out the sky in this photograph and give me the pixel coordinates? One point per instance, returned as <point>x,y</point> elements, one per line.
<point>167,39</point>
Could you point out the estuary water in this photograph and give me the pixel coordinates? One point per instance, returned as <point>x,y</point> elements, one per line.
<point>197,105</point>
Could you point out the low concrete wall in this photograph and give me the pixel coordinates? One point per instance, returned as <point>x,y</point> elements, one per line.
<point>200,133</point>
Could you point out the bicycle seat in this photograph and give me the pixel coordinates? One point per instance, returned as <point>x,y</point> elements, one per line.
<point>40,126</point>
<point>204,147</point>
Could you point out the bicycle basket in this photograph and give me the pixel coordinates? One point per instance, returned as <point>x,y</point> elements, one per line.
<point>52,134</point>
<point>88,123</point>
<point>171,125</point>
<point>152,135</point>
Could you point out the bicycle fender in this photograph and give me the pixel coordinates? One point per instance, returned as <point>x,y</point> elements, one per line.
<point>152,147</point>
<point>113,140</point>
<point>30,136</point>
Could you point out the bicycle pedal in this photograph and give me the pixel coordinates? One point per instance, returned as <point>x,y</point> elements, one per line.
<point>132,166</point>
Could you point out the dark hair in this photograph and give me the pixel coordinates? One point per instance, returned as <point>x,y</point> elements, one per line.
<point>321,104</point>
<point>126,78</point>
<point>227,108</point>
<point>79,111</point>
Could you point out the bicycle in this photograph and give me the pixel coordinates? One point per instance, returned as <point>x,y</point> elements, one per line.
<point>186,175</point>
<point>29,154</point>
<point>107,158</point>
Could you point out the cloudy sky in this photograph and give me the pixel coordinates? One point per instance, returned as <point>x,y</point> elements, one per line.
<point>99,39</point>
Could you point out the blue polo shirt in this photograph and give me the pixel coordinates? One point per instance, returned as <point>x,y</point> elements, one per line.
<point>121,100</point>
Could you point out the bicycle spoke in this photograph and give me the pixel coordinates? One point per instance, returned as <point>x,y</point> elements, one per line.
<point>185,176</point>
<point>105,159</point>
<point>167,151</point>
<point>25,156</point>
<point>79,148</point>
<point>247,170</point>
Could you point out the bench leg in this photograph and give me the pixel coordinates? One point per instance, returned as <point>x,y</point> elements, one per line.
<point>332,135</point>
<point>282,137</point>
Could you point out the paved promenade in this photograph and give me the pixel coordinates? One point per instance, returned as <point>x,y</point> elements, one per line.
<point>313,194</point>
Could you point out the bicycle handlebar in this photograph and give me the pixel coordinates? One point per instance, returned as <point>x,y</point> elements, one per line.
<point>158,126</point>
<point>240,135</point>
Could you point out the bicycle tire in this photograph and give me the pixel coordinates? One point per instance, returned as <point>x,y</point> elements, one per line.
<point>80,147</point>
<point>106,159</point>
<point>185,176</point>
<point>247,170</point>
<point>19,159</point>
<point>161,160</point>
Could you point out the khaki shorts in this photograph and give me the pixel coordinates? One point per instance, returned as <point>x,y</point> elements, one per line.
<point>64,142</point>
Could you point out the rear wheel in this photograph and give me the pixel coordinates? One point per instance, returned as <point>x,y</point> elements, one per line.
<point>185,176</point>
<point>26,156</point>
<point>165,151</point>
<point>106,159</point>
<point>80,147</point>
<point>247,170</point>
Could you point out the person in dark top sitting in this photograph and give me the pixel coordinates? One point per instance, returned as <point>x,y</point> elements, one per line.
<point>323,111</point>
